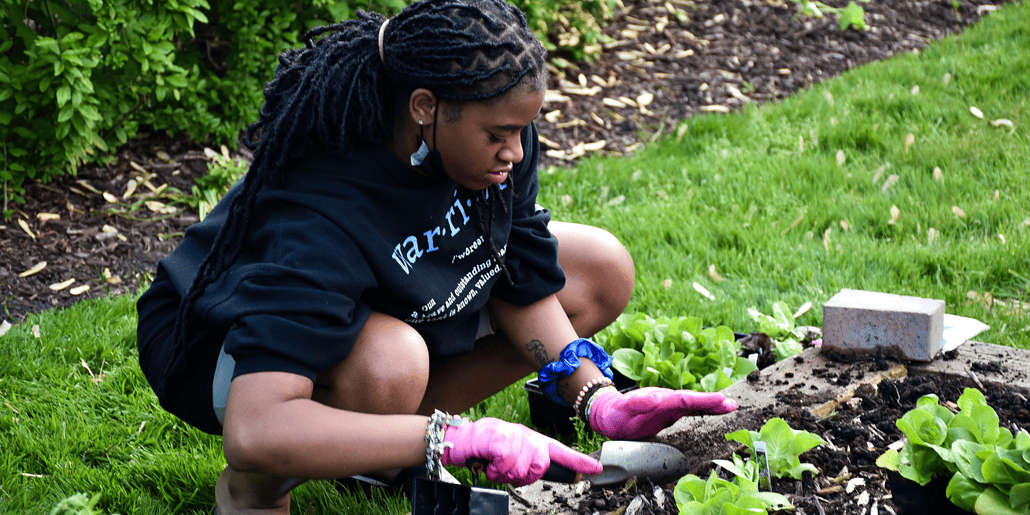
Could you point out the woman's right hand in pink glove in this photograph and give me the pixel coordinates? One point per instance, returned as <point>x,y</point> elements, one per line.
<point>516,454</point>
<point>644,412</point>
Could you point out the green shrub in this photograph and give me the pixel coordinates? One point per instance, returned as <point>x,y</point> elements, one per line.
<point>78,78</point>
<point>570,28</point>
<point>62,66</point>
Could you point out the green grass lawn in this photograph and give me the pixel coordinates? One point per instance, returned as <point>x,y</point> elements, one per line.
<point>883,179</point>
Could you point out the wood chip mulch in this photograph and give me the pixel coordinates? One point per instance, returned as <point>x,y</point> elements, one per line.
<point>103,230</point>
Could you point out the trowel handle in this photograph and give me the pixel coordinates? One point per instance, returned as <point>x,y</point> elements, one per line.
<point>556,473</point>
<point>561,474</point>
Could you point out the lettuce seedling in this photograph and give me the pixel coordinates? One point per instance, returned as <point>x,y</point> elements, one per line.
<point>780,327</point>
<point>784,447</point>
<point>717,496</point>
<point>989,467</point>
<point>739,467</point>
<point>675,353</point>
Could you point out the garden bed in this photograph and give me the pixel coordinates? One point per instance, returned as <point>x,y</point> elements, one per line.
<point>851,403</point>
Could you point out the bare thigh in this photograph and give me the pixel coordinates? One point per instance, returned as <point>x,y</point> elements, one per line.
<point>599,275</point>
<point>386,372</point>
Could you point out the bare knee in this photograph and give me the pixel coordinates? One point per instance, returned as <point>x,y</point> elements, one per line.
<point>386,372</point>
<point>614,265</point>
<point>599,276</point>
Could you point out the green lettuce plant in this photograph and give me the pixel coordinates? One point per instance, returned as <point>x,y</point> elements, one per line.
<point>717,496</point>
<point>989,467</point>
<point>784,447</point>
<point>743,468</point>
<point>741,495</point>
<point>780,327</point>
<point>675,353</point>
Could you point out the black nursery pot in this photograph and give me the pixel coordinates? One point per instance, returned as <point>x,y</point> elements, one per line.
<point>555,419</point>
<point>911,498</point>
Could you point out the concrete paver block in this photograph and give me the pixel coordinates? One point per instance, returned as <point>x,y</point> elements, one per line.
<point>865,322</point>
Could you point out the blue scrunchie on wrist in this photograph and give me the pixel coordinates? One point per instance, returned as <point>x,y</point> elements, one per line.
<point>568,362</point>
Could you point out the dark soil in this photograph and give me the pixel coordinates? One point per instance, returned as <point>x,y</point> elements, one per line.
<point>691,56</point>
<point>856,435</point>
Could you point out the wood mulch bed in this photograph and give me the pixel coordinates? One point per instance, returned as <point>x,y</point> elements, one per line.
<point>666,61</point>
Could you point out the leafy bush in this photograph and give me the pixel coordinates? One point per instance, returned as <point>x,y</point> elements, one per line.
<point>573,28</point>
<point>221,175</point>
<point>852,16</point>
<point>79,78</point>
<point>988,466</point>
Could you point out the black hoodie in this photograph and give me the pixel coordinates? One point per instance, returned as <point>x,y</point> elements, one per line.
<point>345,237</point>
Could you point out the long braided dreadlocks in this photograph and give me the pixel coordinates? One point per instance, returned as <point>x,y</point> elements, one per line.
<point>341,89</point>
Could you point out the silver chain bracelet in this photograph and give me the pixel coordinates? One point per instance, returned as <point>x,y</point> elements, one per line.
<point>435,443</point>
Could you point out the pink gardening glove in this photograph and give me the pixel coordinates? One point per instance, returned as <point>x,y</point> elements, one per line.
<point>516,454</point>
<point>644,412</point>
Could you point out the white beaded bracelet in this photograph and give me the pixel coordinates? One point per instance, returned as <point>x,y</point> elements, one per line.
<point>600,381</point>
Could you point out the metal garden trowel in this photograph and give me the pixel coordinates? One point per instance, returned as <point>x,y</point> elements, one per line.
<point>657,462</point>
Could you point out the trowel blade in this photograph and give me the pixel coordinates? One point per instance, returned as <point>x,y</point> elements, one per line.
<point>657,462</point>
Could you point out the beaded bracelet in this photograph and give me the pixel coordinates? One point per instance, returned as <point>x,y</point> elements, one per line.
<point>583,393</point>
<point>567,362</point>
<point>585,415</point>
<point>587,393</point>
<point>435,443</point>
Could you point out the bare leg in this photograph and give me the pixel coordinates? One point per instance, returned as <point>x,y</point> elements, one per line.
<point>248,492</point>
<point>599,276</point>
<point>599,283</point>
<point>386,372</point>
<point>464,381</point>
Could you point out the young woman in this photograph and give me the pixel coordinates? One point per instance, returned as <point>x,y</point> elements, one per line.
<point>384,258</point>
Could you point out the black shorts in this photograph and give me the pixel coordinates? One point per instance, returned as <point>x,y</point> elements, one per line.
<point>185,395</point>
<point>189,395</point>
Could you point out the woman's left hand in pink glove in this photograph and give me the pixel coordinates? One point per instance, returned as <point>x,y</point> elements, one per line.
<point>515,454</point>
<point>644,412</point>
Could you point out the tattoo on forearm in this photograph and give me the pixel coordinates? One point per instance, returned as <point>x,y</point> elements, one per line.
<point>539,352</point>
<point>536,347</point>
